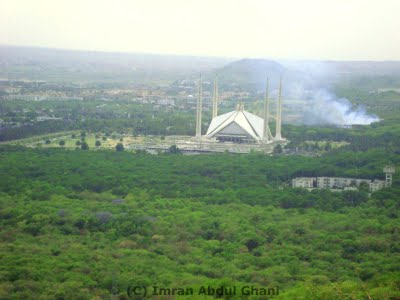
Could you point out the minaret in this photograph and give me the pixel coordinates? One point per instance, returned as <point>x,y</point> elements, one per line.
<point>199,108</point>
<point>278,135</point>
<point>215,99</point>
<point>389,171</point>
<point>267,132</point>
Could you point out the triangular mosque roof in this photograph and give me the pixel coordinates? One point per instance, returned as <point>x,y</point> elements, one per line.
<point>251,124</point>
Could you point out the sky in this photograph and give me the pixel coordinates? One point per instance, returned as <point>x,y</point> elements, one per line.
<point>279,29</point>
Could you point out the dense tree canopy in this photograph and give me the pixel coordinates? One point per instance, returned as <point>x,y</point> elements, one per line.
<point>93,223</point>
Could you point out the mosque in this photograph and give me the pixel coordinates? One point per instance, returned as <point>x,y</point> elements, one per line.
<point>240,128</point>
<point>238,131</point>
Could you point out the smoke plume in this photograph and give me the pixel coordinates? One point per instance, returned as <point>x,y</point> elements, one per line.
<point>325,107</point>
<point>309,85</point>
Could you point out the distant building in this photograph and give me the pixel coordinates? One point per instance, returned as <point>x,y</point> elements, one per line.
<point>350,188</point>
<point>337,183</point>
<point>304,182</point>
<point>46,118</point>
<point>166,102</point>
<point>237,126</point>
<point>240,126</point>
<point>376,185</point>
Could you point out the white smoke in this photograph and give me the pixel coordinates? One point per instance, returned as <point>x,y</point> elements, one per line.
<point>310,82</point>
<point>325,108</point>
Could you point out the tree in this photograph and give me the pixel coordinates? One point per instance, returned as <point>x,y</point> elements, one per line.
<point>62,143</point>
<point>73,136</point>
<point>119,147</point>
<point>47,142</point>
<point>84,146</point>
<point>174,150</point>
<point>78,143</point>
<point>104,138</point>
<point>328,146</point>
<point>316,146</point>
<point>252,244</point>
<point>278,149</point>
<point>83,134</point>
<point>97,136</point>
<point>98,144</point>
<point>364,187</point>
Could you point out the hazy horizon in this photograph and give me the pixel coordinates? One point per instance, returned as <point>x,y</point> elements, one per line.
<point>285,30</point>
<point>229,58</point>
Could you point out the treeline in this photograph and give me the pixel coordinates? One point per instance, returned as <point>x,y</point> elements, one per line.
<point>157,126</point>
<point>120,116</point>
<point>213,178</point>
<point>360,138</point>
<point>50,126</point>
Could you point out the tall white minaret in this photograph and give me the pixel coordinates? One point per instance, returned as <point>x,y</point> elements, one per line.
<point>278,135</point>
<point>215,99</point>
<point>266,132</point>
<point>199,108</point>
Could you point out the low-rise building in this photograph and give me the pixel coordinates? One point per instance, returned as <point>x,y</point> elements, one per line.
<point>337,183</point>
<point>304,182</point>
<point>166,102</point>
<point>376,185</point>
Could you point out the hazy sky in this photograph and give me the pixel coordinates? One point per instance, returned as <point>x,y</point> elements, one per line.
<point>286,29</point>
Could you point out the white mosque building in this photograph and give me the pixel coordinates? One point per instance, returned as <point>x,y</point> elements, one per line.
<point>238,131</point>
<point>240,126</point>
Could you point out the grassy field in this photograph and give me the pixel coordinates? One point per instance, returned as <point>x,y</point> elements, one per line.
<point>127,140</point>
<point>90,138</point>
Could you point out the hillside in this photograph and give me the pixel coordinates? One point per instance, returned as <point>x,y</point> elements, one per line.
<point>251,73</point>
<point>35,63</point>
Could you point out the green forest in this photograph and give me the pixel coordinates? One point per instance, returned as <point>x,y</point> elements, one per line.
<point>81,224</point>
